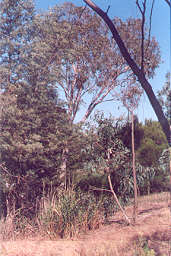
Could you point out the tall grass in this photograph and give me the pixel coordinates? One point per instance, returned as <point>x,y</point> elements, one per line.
<point>68,213</point>
<point>65,214</point>
<point>62,214</point>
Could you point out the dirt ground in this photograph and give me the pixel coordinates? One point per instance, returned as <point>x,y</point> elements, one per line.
<point>113,238</point>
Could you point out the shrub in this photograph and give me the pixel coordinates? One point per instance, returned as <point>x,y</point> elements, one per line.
<point>68,214</point>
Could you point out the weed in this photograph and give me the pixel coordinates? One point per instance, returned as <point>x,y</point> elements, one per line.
<point>142,249</point>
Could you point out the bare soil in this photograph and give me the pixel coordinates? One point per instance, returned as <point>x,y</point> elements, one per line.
<point>114,238</point>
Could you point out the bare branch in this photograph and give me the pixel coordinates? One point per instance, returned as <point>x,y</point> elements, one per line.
<point>97,100</point>
<point>143,11</point>
<point>108,9</point>
<point>136,70</point>
<point>139,7</point>
<point>150,22</point>
<point>99,189</point>
<point>168,2</point>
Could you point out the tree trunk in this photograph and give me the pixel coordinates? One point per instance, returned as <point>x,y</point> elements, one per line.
<point>170,172</point>
<point>134,171</point>
<point>63,175</point>
<point>136,70</point>
<point>148,188</point>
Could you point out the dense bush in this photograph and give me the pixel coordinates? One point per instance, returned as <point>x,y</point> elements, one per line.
<point>70,213</point>
<point>31,155</point>
<point>161,181</point>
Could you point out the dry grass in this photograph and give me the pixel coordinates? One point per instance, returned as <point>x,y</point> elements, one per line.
<point>151,230</point>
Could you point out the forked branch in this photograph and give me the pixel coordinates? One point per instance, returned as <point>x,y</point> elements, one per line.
<point>136,70</point>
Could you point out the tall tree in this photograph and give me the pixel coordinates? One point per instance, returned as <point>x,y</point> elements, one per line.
<point>83,58</point>
<point>15,35</point>
<point>138,71</point>
<point>33,130</point>
<point>66,50</point>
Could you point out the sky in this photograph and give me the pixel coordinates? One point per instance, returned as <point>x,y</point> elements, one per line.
<point>161,31</point>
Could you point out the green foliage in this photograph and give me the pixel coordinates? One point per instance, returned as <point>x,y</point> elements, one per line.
<point>142,248</point>
<point>33,131</point>
<point>164,97</point>
<point>126,130</point>
<point>69,213</point>
<point>68,47</point>
<point>15,35</point>
<point>106,135</point>
<point>73,48</point>
<point>152,144</point>
<point>161,180</point>
<point>104,138</point>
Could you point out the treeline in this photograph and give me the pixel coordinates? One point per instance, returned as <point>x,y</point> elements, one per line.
<point>48,63</point>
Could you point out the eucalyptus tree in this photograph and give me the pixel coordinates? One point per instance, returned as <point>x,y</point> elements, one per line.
<point>137,69</point>
<point>75,47</point>
<point>108,156</point>
<point>72,51</point>
<point>68,37</point>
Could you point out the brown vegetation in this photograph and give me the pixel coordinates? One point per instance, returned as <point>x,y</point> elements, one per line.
<point>150,235</point>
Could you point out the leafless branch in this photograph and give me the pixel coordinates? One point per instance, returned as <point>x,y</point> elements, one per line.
<point>99,189</point>
<point>139,7</point>
<point>143,11</point>
<point>108,100</point>
<point>108,9</point>
<point>97,100</point>
<point>168,2</point>
<point>150,23</point>
<point>151,13</point>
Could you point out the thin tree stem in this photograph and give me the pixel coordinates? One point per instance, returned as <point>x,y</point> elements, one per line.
<point>134,171</point>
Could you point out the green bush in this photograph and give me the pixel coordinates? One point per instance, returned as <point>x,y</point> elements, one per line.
<point>69,213</point>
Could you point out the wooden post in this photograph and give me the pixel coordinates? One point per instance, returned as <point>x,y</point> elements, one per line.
<point>134,171</point>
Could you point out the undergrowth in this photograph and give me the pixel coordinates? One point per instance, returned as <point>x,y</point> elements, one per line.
<point>62,214</point>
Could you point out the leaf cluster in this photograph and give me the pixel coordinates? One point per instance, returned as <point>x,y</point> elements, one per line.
<point>152,144</point>
<point>164,96</point>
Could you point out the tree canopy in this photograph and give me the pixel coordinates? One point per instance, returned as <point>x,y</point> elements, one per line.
<point>53,64</point>
<point>78,52</point>
<point>138,71</point>
<point>153,142</point>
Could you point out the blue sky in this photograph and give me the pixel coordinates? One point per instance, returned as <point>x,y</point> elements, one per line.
<point>161,31</point>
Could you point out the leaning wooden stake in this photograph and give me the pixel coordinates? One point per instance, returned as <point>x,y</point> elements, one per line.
<point>117,201</point>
